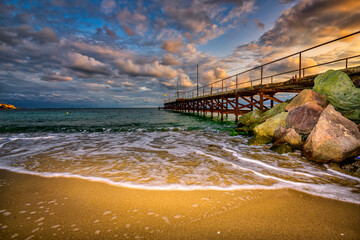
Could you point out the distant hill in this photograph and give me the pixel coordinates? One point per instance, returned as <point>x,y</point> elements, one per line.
<point>6,106</point>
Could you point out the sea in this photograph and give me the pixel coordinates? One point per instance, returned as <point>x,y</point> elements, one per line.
<point>157,149</point>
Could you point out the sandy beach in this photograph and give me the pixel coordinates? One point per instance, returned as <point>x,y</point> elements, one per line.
<point>49,208</point>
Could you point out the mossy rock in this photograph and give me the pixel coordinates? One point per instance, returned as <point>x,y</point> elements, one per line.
<point>259,140</point>
<point>340,91</point>
<point>243,130</point>
<point>267,129</point>
<point>250,118</point>
<point>278,108</point>
<point>282,148</point>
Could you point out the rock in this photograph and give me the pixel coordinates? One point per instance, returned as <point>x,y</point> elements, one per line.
<point>303,118</point>
<point>282,148</point>
<point>259,140</point>
<point>278,108</point>
<point>340,91</point>
<point>305,96</point>
<point>279,133</point>
<point>242,130</point>
<point>250,118</point>
<point>290,137</point>
<point>333,139</point>
<point>266,129</point>
<point>7,106</point>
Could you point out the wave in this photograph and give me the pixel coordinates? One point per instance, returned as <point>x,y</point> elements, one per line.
<point>336,193</point>
<point>98,129</point>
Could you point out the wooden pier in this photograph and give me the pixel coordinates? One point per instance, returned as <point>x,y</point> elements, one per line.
<point>232,95</point>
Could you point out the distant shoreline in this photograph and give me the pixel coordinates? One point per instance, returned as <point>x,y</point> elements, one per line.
<point>4,106</point>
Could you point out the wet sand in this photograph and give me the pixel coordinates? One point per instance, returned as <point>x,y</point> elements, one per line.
<point>60,208</point>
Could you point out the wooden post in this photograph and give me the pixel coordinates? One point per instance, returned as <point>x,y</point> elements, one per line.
<point>197,106</point>
<point>299,65</point>
<point>222,100</point>
<point>261,75</point>
<point>236,87</point>
<point>346,63</point>
<point>197,80</point>
<point>252,103</point>
<point>236,106</point>
<point>227,107</point>
<point>261,100</point>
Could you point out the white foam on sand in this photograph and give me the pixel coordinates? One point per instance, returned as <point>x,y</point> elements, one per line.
<point>192,158</point>
<point>322,190</point>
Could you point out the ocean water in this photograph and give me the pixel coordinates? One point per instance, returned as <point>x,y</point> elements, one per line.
<point>153,149</point>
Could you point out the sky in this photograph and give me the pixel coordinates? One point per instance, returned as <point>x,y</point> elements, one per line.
<point>110,53</point>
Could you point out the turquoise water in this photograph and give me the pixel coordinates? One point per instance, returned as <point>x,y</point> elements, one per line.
<point>152,149</point>
<point>101,120</point>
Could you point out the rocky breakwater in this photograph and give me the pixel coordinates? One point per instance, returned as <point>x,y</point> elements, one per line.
<point>7,106</point>
<point>321,122</point>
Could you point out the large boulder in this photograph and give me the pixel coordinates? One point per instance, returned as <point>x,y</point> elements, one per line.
<point>278,108</point>
<point>340,91</point>
<point>333,139</point>
<point>305,96</point>
<point>303,118</point>
<point>267,128</point>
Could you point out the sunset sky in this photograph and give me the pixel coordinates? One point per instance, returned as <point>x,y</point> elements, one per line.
<point>129,53</point>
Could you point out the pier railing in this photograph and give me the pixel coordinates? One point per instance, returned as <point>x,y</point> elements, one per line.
<point>256,77</point>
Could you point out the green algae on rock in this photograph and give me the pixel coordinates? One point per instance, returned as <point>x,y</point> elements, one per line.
<point>265,131</point>
<point>340,91</point>
<point>278,108</point>
<point>251,118</point>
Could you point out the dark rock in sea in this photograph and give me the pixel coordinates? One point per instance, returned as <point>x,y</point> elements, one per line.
<point>333,139</point>
<point>289,136</point>
<point>341,92</point>
<point>303,118</point>
<point>243,130</point>
<point>282,148</point>
<point>305,96</point>
<point>259,140</point>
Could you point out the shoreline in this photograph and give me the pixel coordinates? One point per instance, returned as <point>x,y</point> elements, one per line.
<point>180,188</point>
<point>34,206</point>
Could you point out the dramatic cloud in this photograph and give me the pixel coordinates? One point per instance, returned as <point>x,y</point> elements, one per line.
<point>184,80</point>
<point>215,74</point>
<point>146,70</point>
<point>14,35</point>
<point>310,22</point>
<point>56,77</point>
<point>169,59</point>
<point>173,46</point>
<point>99,53</point>
<point>87,65</point>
